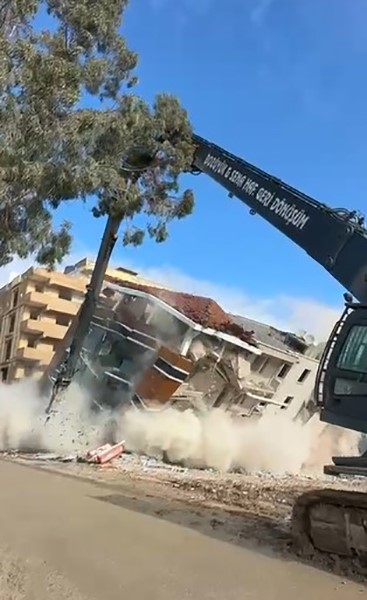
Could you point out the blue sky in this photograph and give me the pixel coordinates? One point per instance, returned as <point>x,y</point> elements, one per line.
<point>282,83</point>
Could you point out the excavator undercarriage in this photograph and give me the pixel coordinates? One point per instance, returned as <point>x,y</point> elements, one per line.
<point>334,523</point>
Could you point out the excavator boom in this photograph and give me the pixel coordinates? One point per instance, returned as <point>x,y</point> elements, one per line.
<point>335,238</point>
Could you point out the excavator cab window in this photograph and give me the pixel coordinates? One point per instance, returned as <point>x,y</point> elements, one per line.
<point>353,356</point>
<point>342,378</point>
<point>352,361</point>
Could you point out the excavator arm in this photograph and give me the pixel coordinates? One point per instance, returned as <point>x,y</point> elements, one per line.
<point>335,238</point>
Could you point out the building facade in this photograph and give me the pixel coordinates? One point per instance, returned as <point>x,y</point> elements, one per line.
<point>36,309</point>
<point>283,377</point>
<point>85,266</point>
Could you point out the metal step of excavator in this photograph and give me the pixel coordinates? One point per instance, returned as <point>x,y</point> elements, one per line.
<point>347,465</point>
<point>336,470</point>
<point>350,461</point>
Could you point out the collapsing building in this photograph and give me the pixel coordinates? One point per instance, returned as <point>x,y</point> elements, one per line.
<point>283,377</point>
<point>153,347</point>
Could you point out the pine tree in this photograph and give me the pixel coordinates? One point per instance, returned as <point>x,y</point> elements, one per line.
<point>127,154</point>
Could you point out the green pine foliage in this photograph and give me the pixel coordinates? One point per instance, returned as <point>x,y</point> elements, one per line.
<point>126,153</point>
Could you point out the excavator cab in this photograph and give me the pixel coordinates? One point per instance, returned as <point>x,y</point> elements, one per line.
<point>341,383</point>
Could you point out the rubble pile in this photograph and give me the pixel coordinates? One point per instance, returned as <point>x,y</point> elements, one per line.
<point>220,379</point>
<point>107,453</point>
<point>260,494</point>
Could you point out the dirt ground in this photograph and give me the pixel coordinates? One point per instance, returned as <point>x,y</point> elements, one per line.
<point>241,508</point>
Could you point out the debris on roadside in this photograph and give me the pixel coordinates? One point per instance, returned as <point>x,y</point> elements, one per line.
<point>37,456</point>
<point>101,455</point>
<point>91,454</point>
<point>106,453</point>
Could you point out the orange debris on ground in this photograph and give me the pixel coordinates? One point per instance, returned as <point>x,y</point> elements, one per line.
<point>105,453</point>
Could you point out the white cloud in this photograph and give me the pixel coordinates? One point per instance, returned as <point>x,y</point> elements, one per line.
<point>282,311</point>
<point>16,267</point>
<point>19,266</point>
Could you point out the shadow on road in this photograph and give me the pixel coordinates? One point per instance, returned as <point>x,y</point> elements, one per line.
<point>264,535</point>
<point>237,527</point>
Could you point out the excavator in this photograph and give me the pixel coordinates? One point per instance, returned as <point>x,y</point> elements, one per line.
<point>328,521</point>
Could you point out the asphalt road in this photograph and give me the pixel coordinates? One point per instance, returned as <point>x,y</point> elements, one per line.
<point>74,543</point>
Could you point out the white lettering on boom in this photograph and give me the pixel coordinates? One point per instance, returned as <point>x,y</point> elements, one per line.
<point>283,209</point>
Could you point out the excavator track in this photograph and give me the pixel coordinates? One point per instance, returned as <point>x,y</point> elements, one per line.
<point>332,522</point>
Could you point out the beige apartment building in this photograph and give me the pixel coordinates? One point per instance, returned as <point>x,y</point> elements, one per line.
<point>36,309</point>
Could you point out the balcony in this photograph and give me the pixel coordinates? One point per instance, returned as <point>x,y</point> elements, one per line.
<point>44,328</point>
<point>60,280</point>
<point>34,354</point>
<point>33,326</point>
<point>34,298</point>
<point>47,302</point>
<point>39,275</point>
<point>58,305</point>
<point>259,389</point>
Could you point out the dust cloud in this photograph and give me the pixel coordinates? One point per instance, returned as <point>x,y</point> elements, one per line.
<point>73,428</point>
<point>214,439</point>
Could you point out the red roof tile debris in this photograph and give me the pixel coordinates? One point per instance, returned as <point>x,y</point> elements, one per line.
<point>203,311</point>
